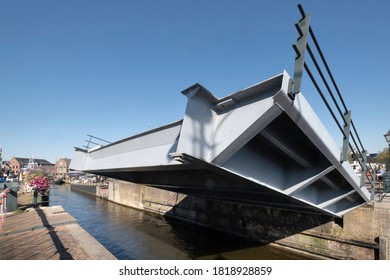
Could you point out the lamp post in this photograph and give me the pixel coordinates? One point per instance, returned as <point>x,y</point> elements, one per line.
<point>387,137</point>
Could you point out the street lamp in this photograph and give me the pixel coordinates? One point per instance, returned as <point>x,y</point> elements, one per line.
<point>387,137</point>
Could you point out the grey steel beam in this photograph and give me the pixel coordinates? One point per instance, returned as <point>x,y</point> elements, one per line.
<point>306,183</point>
<point>285,148</point>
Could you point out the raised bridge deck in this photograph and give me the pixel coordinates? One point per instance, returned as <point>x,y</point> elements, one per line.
<point>255,146</point>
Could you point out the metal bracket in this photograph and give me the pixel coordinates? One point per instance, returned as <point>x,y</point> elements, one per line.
<point>300,48</point>
<point>373,176</point>
<point>364,169</point>
<point>347,130</point>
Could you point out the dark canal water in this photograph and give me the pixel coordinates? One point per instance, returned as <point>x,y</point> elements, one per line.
<point>130,234</point>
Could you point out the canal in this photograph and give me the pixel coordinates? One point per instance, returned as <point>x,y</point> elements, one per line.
<point>131,234</point>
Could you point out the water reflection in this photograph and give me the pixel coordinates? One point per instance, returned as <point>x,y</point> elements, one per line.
<point>132,234</point>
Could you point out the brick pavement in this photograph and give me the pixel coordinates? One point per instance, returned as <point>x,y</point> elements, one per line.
<point>47,234</point>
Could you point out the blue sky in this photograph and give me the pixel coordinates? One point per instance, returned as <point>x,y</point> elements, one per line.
<point>116,68</point>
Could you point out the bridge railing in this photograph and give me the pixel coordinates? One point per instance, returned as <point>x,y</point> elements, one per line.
<point>96,141</point>
<point>342,116</point>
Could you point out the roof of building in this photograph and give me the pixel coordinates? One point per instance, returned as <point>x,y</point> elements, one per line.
<point>67,160</point>
<point>36,160</point>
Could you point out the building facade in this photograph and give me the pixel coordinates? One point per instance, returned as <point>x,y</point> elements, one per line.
<point>19,164</point>
<point>62,167</point>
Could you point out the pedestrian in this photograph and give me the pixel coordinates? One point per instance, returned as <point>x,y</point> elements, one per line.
<point>379,172</point>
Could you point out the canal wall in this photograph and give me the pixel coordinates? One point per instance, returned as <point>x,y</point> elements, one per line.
<point>362,233</point>
<point>95,190</point>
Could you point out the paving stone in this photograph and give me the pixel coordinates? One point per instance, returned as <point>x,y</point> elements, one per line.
<point>47,234</point>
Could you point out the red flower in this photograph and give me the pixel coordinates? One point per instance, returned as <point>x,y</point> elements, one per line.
<point>41,183</point>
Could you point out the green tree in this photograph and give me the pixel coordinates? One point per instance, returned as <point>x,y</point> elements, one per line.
<point>382,157</point>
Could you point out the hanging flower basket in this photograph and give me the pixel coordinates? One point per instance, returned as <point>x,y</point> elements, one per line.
<point>41,183</point>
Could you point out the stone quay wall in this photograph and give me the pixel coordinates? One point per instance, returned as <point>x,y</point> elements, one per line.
<point>362,233</point>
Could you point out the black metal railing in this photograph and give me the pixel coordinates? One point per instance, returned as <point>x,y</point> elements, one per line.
<point>342,116</point>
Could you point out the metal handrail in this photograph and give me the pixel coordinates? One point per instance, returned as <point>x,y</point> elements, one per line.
<point>99,141</point>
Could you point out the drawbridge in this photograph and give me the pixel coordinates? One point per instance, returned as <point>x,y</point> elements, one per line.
<point>263,145</point>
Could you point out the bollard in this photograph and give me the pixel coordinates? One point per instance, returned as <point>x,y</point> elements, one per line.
<point>383,251</point>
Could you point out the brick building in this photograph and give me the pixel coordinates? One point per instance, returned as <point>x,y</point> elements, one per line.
<point>18,164</point>
<point>62,167</point>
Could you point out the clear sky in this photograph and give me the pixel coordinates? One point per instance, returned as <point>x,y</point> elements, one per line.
<point>115,68</point>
